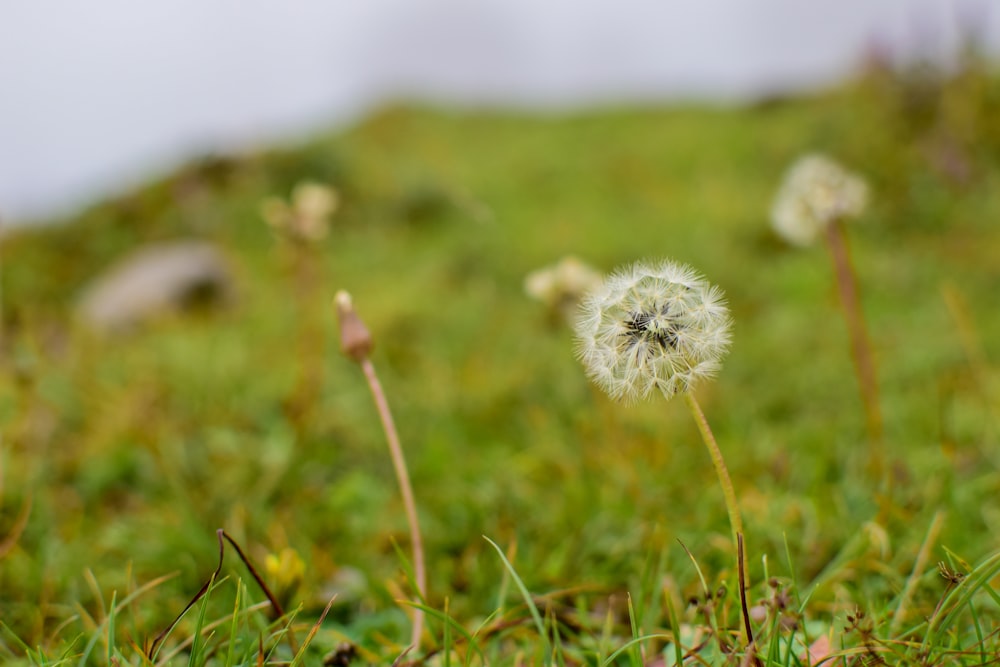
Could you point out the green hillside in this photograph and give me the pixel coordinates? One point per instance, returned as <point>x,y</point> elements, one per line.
<point>122,455</point>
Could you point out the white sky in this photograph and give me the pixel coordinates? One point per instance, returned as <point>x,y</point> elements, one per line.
<point>97,95</point>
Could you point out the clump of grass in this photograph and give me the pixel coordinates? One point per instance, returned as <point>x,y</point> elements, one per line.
<point>277,611</point>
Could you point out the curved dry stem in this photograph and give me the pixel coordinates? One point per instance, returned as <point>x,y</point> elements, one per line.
<point>403,477</point>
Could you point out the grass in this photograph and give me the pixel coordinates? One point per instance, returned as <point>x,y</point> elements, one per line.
<point>121,457</point>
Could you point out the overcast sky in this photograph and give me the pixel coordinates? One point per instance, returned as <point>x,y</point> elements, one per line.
<point>97,95</point>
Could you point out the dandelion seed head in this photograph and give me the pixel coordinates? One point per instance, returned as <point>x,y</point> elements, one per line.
<point>314,202</point>
<point>652,327</point>
<point>815,192</point>
<point>306,218</point>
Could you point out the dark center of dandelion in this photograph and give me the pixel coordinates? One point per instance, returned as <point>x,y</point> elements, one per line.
<point>653,327</point>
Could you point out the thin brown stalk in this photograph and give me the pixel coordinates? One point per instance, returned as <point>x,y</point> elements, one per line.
<point>310,335</point>
<point>403,477</point>
<point>860,345</point>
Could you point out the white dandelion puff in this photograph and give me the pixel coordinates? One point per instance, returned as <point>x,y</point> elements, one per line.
<point>816,191</point>
<point>652,327</point>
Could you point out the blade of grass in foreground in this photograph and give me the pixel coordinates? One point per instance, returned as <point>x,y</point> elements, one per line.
<point>451,623</point>
<point>543,635</point>
<point>446,639</point>
<point>240,587</point>
<point>675,630</point>
<point>635,659</point>
<point>300,654</point>
<point>960,596</point>
<point>112,618</point>
<point>198,644</point>
<point>637,641</point>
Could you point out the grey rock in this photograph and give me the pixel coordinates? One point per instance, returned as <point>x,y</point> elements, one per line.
<point>154,280</point>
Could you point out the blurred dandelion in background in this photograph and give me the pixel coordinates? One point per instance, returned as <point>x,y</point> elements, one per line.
<point>561,286</point>
<point>815,199</point>
<point>306,217</point>
<point>816,191</point>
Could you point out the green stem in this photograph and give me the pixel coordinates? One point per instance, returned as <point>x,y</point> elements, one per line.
<point>735,520</point>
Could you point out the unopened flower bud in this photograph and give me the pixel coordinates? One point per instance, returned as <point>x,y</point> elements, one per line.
<point>355,339</point>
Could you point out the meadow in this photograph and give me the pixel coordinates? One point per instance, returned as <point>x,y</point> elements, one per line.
<point>123,455</point>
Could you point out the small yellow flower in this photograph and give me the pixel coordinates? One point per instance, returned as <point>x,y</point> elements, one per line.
<point>285,569</point>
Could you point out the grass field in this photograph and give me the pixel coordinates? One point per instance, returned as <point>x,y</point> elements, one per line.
<point>122,456</point>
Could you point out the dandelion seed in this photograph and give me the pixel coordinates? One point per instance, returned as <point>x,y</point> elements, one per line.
<point>653,327</point>
<point>816,191</point>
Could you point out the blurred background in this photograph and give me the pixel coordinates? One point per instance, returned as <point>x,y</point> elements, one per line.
<point>455,148</point>
<point>99,96</point>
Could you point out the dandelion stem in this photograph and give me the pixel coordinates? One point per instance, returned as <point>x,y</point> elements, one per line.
<point>310,336</point>
<point>860,345</point>
<point>403,477</point>
<point>735,520</point>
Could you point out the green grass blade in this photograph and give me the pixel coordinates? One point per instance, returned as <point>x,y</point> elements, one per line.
<point>675,629</point>
<point>961,595</point>
<point>449,622</point>
<point>633,642</point>
<point>634,658</point>
<point>556,640</point>
<point>446,639</point>
<point>240,588</point>
<point>539,624</point>
<point>197,639</point>
<point>112,616</point>
<point>17,640</point>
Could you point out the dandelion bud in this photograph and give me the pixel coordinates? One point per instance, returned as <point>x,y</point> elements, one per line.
<point>659,327</point>
<point>816,191</point>
<point>355,340</point>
